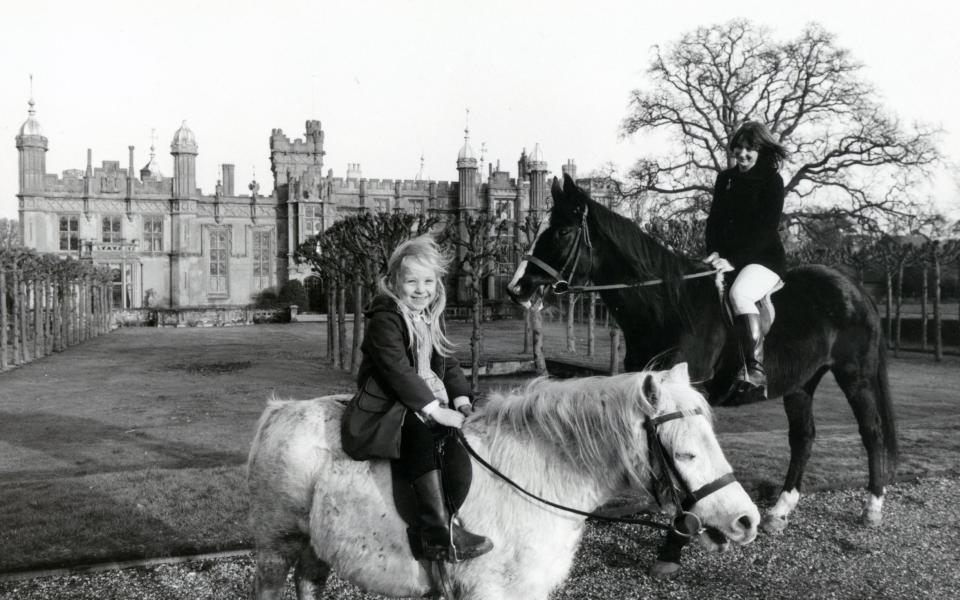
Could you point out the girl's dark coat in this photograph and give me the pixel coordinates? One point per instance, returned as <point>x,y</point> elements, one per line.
<point>744,221</point>
<point>389,384</point>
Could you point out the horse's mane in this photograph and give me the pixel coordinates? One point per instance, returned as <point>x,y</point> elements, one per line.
<point>645,258</point>
<point>594,421</point>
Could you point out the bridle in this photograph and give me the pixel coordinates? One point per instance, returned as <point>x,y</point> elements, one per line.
<point>686,524</point>
<point>561,285</point>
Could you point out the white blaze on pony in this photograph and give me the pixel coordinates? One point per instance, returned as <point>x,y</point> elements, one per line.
<point>577,442</point>
<point>522,267</point>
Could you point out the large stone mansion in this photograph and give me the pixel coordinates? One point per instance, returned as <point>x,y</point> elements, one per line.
<point>169,244</point>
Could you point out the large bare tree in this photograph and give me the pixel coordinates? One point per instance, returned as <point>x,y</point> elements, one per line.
<point>847,151</point>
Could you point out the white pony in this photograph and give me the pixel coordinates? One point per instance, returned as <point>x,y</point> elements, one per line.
<point>579,442</point>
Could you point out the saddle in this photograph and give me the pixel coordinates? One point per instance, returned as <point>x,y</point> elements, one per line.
<point>456,473</point>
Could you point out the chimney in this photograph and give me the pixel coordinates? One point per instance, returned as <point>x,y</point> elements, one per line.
<point>227,180</point>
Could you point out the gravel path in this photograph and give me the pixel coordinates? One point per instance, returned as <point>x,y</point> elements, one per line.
<point>824,553</point>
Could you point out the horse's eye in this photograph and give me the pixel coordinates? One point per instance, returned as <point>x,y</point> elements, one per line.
<point>684,456</point>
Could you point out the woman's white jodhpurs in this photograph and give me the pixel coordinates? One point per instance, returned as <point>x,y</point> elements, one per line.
<point>751,285</point>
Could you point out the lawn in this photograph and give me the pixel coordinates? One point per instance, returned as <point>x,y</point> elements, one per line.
<point>133,444</point>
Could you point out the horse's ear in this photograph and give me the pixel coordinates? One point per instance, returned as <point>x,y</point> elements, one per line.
<point>678,374</point>
<point>651,389</point>
<point>573,192</point>
<point>556,190</point>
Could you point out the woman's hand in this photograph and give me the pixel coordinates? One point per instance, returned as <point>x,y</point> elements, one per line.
<point>720,264</point>
<point>448,417</point>
<point>465,409</point>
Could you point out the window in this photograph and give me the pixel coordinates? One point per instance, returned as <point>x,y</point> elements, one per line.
<point>218,261</point>
<point>69,232</point>
<point>153,234</point>
<point>261,258</point>
<point>416,206</point>
<point>116,285</point>
<point>111,230</point>
<point>310,220</point>
<point>383,205</point>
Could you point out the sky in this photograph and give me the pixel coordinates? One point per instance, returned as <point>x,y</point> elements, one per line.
<point>391,80</point>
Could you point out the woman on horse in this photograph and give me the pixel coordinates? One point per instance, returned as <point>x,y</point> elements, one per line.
<point>742,236</point>
<point>410,359</point>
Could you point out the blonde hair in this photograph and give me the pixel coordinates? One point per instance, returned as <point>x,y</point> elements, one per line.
<point>424,251</point>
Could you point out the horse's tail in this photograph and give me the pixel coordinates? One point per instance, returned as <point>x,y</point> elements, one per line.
<point>885,410</point>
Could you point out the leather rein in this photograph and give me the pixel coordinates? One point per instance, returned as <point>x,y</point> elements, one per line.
<point>561,285</point>
<point>686,524</point>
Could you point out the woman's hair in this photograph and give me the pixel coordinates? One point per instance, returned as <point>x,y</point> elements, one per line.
<point>423,251</point>
<point>753,134</point>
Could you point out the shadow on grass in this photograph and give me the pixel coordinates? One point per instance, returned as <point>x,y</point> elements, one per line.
<point>80,446</point>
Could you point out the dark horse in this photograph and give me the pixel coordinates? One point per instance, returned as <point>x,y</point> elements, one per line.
<point>824,322</point>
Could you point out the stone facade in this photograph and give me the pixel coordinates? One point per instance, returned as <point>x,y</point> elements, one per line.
<point>172,246</point>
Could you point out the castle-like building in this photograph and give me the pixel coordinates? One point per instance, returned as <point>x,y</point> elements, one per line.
<point>169,244</point>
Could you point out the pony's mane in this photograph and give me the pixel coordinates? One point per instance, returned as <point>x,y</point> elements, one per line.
<point>594,421</point>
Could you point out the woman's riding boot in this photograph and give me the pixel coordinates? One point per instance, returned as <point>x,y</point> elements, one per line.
<point>753,379</point>
<point>441,539</point>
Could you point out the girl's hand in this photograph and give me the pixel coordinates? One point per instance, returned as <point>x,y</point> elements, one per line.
<point>466,409</point>
<point>718,263</point>
<point>448,417</point>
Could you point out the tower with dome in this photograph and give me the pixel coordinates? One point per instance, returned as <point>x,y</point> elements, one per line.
<point>167,240</point>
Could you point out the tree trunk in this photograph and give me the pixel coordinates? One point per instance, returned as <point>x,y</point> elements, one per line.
<point>923,308</point>
<point>15,316</point>
<point>37,319</point>
<point>536,331</point>
<point>3,318</point>
<point>526,331</point>
<point>342,324</point>
<point>476,336</point>
<point>357,327</point>
<point>889,331</point>
<point>571,330</point>
<point>937,322</point>
<point>332,349</point>
<point>899,305</point>
<point>591,324</point>
<point>55,314</point>
<point>614,350</point>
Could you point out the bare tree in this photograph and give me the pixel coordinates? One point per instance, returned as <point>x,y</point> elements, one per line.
<point>843,144</point>
<point>526,233</point>
<point>478,242</point>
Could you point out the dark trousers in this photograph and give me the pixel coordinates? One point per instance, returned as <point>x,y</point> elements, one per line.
<point>417,455</point>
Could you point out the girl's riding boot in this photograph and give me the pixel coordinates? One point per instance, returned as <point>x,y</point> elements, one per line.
<point>441,539</point>
<point>753,379</point>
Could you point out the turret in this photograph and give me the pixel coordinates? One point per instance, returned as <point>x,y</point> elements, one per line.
<point>467,168</point>
<point>537,168</point>
<point>32,151</point>
<point>184,151</point>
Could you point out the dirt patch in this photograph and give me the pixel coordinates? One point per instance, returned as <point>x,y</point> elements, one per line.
<point>211,368</point>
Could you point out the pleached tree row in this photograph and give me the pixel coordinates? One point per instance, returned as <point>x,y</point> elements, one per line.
<point>48,303</point>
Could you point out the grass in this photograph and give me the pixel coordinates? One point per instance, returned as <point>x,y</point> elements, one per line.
<point>133,444</point>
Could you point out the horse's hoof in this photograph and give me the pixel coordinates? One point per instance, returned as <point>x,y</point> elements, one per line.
<point>773,524</point>
<point>871,517</point>
<point>662,569</point>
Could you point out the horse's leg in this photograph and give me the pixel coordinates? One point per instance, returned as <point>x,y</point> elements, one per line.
<point>273,562</point>
<point>669,554</point>
<point>798,405</point>
<point>862,396</point>
<point>310,575</point>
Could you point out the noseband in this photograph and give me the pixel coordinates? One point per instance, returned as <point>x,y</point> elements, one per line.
<point>686,524</point>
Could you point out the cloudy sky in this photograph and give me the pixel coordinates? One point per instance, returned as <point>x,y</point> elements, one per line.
<point>390,80</point>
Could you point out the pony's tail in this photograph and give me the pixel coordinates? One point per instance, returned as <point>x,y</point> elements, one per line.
<point>885,410</point>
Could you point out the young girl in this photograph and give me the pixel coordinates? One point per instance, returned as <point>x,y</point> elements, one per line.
<point>411,361</point>
<point>743,236</point>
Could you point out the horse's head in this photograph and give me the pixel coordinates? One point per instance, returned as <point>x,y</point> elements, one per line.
<point>689,466</point>
<point>555,256</point>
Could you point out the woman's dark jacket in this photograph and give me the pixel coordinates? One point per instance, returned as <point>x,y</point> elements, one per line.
<point>389,360</point>
<point>745,218</point>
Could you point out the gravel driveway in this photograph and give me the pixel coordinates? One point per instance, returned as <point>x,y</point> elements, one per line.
<point>823,554</point>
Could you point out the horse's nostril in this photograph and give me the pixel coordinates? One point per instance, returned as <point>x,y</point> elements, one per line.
<point>746,522</point>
